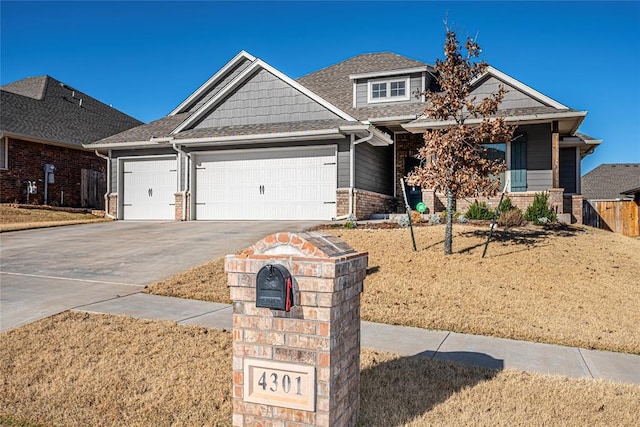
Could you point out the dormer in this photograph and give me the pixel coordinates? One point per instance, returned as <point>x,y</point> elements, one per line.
<point>391,86</point>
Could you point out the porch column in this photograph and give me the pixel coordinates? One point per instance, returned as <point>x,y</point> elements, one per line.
<point>555,154</point>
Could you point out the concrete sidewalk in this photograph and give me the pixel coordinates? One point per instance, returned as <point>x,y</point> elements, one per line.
<point>495,353</point>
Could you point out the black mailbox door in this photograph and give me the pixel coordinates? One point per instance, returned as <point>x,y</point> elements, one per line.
<point>274,288</point>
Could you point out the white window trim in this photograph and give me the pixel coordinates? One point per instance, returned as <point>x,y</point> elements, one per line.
<point>4,161</point>
<point>389,98</point>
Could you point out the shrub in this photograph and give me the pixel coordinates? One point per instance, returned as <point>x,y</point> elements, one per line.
<point>351,222</point>
<point>539,212</point>
<point>511,218</point>
<point>479,211</point>
<point>416,217</point>
<point>435,219</point>
<point>461,219</point>
<point>506,205</point>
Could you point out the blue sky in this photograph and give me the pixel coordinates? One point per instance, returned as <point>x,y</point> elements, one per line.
<point>145,57</point>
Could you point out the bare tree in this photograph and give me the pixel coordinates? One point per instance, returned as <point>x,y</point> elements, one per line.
<point>455,160</point>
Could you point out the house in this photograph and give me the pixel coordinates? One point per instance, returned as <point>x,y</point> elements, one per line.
<point>253,143</point>
<point>612,198</point>
<point>43,124</point>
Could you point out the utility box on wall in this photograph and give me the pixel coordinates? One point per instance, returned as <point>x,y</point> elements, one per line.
<point>296,362</point>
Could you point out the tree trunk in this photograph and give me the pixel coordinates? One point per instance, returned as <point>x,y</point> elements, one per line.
<point>448,231</point>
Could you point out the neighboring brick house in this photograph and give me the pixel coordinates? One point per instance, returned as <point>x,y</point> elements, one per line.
<point>45,122</point>
<point>611,194</point>
<point>252,143</point>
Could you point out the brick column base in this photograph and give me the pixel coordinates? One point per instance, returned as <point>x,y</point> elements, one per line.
<point>319,335</point>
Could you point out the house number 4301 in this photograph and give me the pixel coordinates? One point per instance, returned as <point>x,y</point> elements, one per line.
<point>271,381</point>
<point>288,385</point>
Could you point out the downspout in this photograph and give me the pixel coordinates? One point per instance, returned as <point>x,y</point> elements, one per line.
<point>106,195</point>
<point>186,177</point>
<point>352,171</point>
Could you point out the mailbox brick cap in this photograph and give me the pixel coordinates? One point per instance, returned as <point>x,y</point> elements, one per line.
<point>314,244</point>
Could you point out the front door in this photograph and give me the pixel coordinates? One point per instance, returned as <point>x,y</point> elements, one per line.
<point>414,193</point>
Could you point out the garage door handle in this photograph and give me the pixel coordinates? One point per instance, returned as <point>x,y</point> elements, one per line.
<point>261,189</point>
<point>329,203</point>
<point>151,192</point>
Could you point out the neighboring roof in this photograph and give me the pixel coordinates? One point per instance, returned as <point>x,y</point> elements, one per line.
<point>334,84</point>
<point>609,181</point>
<point>47,110</point>
<point>632,192</point>
<point>157,129</point>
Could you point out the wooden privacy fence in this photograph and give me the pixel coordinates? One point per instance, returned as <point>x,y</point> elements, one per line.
<point>92,189</point>
<point>620,216</point>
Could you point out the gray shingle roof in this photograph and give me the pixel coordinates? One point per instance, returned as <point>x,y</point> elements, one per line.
<point>159,128</point>
<point>46,109</point>
<point>334,85</point>
<point>609,180</point>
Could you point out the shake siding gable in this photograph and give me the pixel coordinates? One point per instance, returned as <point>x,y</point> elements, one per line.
<point>264,98</point>
<point>240,67</point>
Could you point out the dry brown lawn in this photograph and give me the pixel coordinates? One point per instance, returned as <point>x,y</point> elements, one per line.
<point>12,218</point>
<point>77,369</point>
<point>207,282</point>
<point>574,286</point>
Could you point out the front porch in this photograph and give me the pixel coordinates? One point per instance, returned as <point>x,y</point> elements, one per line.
<point>539,159</point>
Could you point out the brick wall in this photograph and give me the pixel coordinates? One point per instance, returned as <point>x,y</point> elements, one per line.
<point>180,205</point>
<point>321,330</point>
<point>561,204</point>
<point>113,205</point>
<point>26,162</point>
<point>366,203</point>
<point>342,201</point>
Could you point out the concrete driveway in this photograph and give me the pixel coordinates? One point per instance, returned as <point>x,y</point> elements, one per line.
<point>47,271</point>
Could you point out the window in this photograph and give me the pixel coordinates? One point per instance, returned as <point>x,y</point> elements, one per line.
<point>497,151</point>
<point>389,90</point>
<point>378,90</point>
<point>4,151</point>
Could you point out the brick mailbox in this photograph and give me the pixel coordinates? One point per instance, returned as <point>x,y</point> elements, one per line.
<point>297,364</point>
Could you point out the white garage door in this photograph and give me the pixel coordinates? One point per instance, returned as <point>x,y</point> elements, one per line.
<point>267,184</point>
<point>149,188</point>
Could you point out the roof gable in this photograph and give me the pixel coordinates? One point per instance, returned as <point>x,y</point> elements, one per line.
<point>49,111</point>
<point>278,81</point>
<point>335,84</point>
<point>520,95</point>
<point>264,98</point>
<point>216,83</point>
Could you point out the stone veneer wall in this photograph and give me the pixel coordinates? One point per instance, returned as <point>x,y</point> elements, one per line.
<point>321,330</point>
